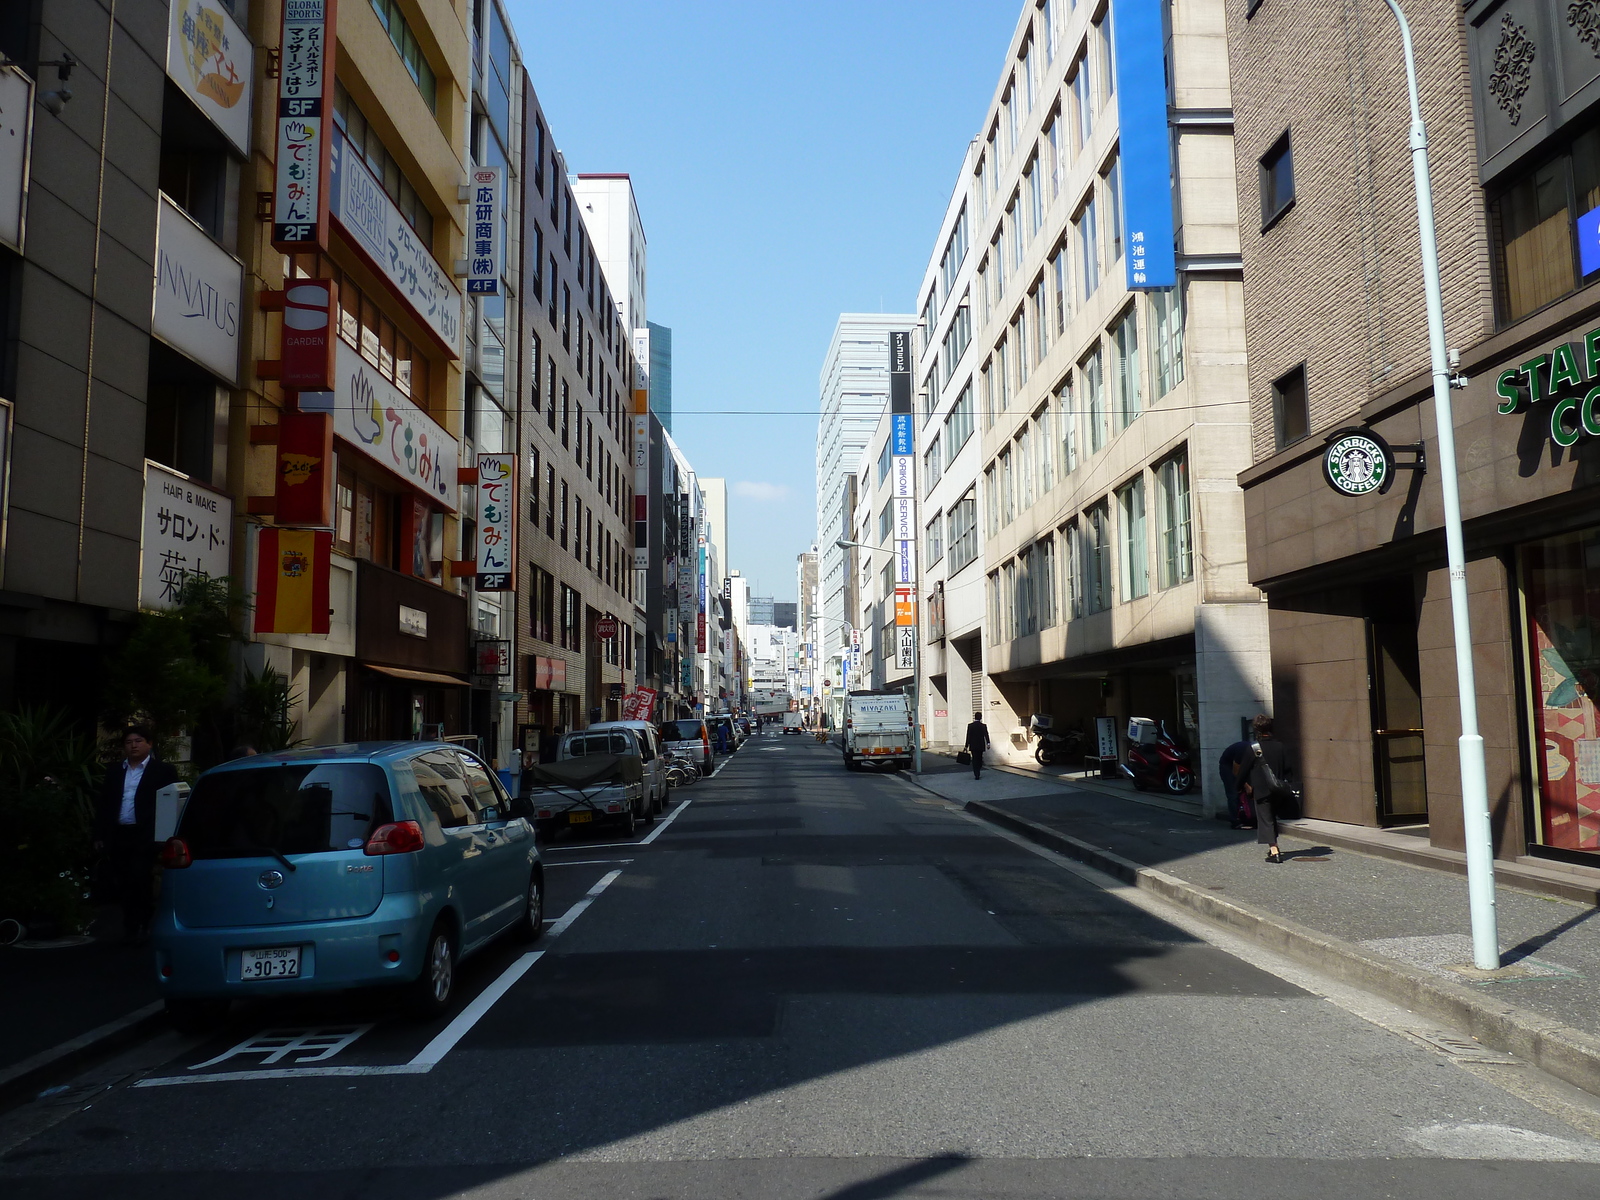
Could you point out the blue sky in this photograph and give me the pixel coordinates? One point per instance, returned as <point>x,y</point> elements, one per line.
<point>791,163</point>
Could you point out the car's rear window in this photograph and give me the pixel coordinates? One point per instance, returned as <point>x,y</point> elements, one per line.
<point>293,809</point>
<point>681,731</point>
<point>615,741</point>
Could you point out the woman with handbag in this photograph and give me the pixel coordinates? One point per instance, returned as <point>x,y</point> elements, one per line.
<point>1266,778</point>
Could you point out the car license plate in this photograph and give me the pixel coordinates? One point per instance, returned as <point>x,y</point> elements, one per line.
<point>579,816</point>
<point>276,962</point>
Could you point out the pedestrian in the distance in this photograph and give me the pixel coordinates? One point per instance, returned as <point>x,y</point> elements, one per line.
<point>1231,766</point>
<point>977,743</point>
<point>1266,777</point>
<point>125,827</point>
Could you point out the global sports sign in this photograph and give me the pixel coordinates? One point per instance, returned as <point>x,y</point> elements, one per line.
<point>1356,462</point>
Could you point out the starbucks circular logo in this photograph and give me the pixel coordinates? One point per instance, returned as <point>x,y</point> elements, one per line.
<point>1357,462</point>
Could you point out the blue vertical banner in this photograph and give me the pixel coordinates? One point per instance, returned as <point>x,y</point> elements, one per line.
<point>1146,147</point>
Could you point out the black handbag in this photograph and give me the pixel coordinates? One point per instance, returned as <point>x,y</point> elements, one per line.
<point>963,758</point>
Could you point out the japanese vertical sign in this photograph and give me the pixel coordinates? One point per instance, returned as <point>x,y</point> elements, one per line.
<point>305,101</point>
<point>903,449</point>
<point>497,507</point>
<point>1146,155</point>
<point>483,261</point>
<point>187,529</point>
<point>292,571</point>
<point>209,57</point>
<point>641,452</point>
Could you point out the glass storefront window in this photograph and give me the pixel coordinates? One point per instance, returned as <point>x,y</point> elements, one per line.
<point>1561,591</point>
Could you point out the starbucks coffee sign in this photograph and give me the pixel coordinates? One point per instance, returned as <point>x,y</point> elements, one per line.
<point>1357,461</point>
<point>1569,375</point>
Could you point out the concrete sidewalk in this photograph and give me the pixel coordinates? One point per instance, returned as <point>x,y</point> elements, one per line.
<point>1393,926</point>
<point>59,1005</point>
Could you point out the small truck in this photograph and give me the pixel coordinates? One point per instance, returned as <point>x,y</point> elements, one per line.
<point>877,729</point>
<point>597,789</point>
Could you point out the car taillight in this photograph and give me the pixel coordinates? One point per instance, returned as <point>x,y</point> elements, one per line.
<point>175,854</point>
<point>402,837</point>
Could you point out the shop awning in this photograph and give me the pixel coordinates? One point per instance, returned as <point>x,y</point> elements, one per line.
<point>418,676</point>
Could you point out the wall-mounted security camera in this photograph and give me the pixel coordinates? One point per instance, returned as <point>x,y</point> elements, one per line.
<point>55,101</point>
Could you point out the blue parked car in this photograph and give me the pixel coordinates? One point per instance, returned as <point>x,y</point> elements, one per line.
<point>339,867</point>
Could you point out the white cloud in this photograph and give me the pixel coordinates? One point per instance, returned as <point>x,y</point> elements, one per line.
<point>763,493</point>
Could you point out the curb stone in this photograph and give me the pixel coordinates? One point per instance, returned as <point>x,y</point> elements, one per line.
<point>17,1081</point>
<point>1567,1053</point>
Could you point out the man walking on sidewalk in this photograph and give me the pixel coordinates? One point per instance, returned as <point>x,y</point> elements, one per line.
<point>977,742</point>
<point>125,827</point>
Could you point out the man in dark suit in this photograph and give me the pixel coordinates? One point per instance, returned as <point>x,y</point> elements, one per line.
<point>125,827</point>
<point>977,742</point>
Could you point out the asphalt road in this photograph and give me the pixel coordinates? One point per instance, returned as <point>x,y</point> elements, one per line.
<point>813,983</point>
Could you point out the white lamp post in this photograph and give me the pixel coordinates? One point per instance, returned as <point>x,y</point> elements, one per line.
<point>1474,782</point>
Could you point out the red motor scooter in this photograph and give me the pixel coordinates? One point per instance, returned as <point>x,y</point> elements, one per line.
<point>1155,760</point>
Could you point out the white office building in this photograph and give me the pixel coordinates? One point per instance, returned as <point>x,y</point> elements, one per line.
<point>854,394</point>
<point>611,215</point>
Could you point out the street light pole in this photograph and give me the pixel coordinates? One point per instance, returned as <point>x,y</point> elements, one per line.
<point>916,665</point>
<point>1474,781</point>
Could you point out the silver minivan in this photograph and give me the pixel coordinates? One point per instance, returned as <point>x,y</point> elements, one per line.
<point>691,738</point>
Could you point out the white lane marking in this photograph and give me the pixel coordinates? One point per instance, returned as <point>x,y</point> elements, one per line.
<point>661,826</point>
<point>443,1042</point>
<point>283,1073</point>
<point>590,862</point>
<point>572,914</point>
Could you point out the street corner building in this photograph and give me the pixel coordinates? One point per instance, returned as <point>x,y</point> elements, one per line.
<point>309,300</point>
<point>1344,517</point>
<point>1081,400</point>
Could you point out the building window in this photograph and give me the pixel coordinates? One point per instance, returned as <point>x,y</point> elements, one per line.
<point>958,425</point>
<point>935,538</point>
<point>571,619</point>
<point>1108,69</point>
<point>1082,100</point>
<point>1111,182</point>
<point>542,604</point>
<point>1019,344</point>
<point>884,461</point>
<point>1008,488</point>
<point>996,608</point>
<point>562,515</point>
<point>963,531</point>
<point>1025,469</point>
<point>533,485</point>
<point>405,43</point>
<point>1066,428</point>
<point>1291,414</point>
<point>549,501</point>
<point>1039,318</point>
<point>991,501</point>
<point>1095,397</point>
<point>885,521</point>
<point>1538,258</point>
<point>1058,283</point>
<point>1033,189</point>
<point>1125,339</point>
<point>1177,553</point>
<point>1002,376</point>
<point>956,338</point>
<point>1045,448</point>
<point>1166,335</point>
<point>932,466</point>
<point>1097,558</point>
<point>1135,551</point>
<point>1055,164</point>
<point>1088,242</point>
<point>1077,559</point>
<point>1277,181</point>
<point>1044,581</point>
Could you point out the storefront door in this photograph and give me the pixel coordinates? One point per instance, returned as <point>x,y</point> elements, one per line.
<point>1397,745</point>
